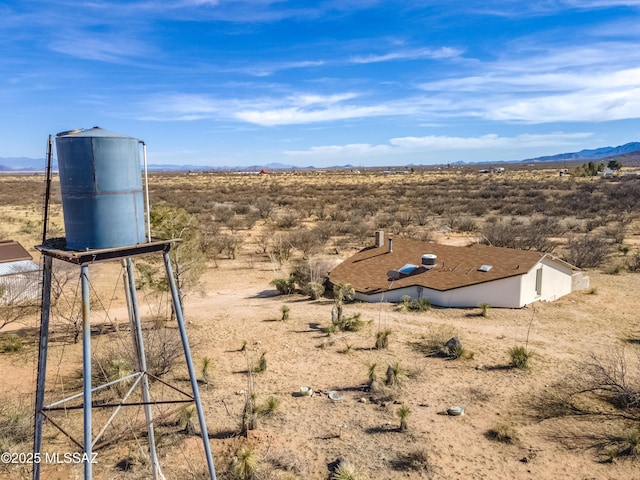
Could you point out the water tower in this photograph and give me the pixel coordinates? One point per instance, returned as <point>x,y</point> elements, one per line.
<point>104,216</point>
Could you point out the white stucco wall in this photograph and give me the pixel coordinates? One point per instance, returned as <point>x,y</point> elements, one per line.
<point>556,282</point>
<point>512,292</point>
<point>503,293</point>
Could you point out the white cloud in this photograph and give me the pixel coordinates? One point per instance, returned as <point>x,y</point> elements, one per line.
<point>314,99</point>
<point>572,84</point>
<point>486,141</point>
<point>112,48</point>
<point>294,109</point>
<point>583,106</point>
<point>350,150</point>
<point>267,69</point>
<point>307,108</point>
<point>294,115</point>
<point>181,107</point>
<point>430,143</point>
<point>410,54</point>
<point>586,4</point>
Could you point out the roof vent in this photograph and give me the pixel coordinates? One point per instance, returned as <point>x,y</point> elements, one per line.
<point>485,268</point>
<point>429,260</point>
<point>393,275</point>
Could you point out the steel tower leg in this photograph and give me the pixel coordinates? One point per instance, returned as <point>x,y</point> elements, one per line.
<point>177,308</point>
<point>42,361</point>
<point>136,327</point>
<point>86,371</point>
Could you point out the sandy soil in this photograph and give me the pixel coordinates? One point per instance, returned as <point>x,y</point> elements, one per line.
<point>236,305</point>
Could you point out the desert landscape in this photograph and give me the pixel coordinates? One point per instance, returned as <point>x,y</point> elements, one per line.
<point>569,410</point>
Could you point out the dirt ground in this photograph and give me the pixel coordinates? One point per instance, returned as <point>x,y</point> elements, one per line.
<point>236,305</point>
<point>235,316</point>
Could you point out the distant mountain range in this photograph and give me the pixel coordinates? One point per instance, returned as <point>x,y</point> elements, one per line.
<point>24,164</point>
<point>595,154</point>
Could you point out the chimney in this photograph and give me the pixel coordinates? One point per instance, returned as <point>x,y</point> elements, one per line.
<point>379,238</point>
<point>390,244</point>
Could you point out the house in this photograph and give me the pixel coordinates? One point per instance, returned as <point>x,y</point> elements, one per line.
<point>19,275</point>
<point>452,276</point>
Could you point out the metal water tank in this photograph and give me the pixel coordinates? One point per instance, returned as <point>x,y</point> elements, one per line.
<point>101,186</point>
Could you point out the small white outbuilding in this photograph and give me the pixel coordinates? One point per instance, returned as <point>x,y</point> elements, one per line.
<point>19,275</point>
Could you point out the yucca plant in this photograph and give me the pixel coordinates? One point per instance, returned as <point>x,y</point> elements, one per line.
<point>371,373</point>
<point>262,363</point>
<point>245,464</point>
<point>204,369</point>
<point>382,338</point>
<point>249,415</point>
<point>285,312</point>
<point>314,289</point>
<point>112,370</point>
<point>630,444</point>
<point>268,408</point>
<point>187,418</point>
<point>396,374</point>
<point>520,357</point>
<point>345,471</point>
<point>403,413</point>
<point>484,309</point>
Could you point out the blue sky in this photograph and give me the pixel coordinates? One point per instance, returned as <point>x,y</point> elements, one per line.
<point>364,82</point>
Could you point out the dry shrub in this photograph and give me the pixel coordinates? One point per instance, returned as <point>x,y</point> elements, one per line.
<point>616,379</point>
<point>587,251</point>
<point>502,432</point>
<point>287,462</point>
<point>163,349</point>
<point>633,262</point>
<point>520,357</point>
<point>16,425</point>
<point>431,343</point>
<point>606,387</point>
<point>416,460</point>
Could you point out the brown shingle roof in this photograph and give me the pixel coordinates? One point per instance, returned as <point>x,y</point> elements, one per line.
<point>12,251</point>
<point>456,267</point>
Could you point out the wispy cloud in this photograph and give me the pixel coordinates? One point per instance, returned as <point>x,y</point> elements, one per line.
<point>292,116</point>
<point>429,143</point>
<point>487,141</point>
<point>569,84</point>
<point>114,47</point>
<point>267,69</point>
<point>350,150</point>
<point>409,54</point>
<point>310,108</point>
<point>584,106</point>
<point>181,107</point>
<point>301,108</point>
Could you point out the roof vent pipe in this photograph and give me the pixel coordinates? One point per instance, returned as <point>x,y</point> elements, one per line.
<point>379,238</point>
<point>390,245</point>
<point>429,260</point>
